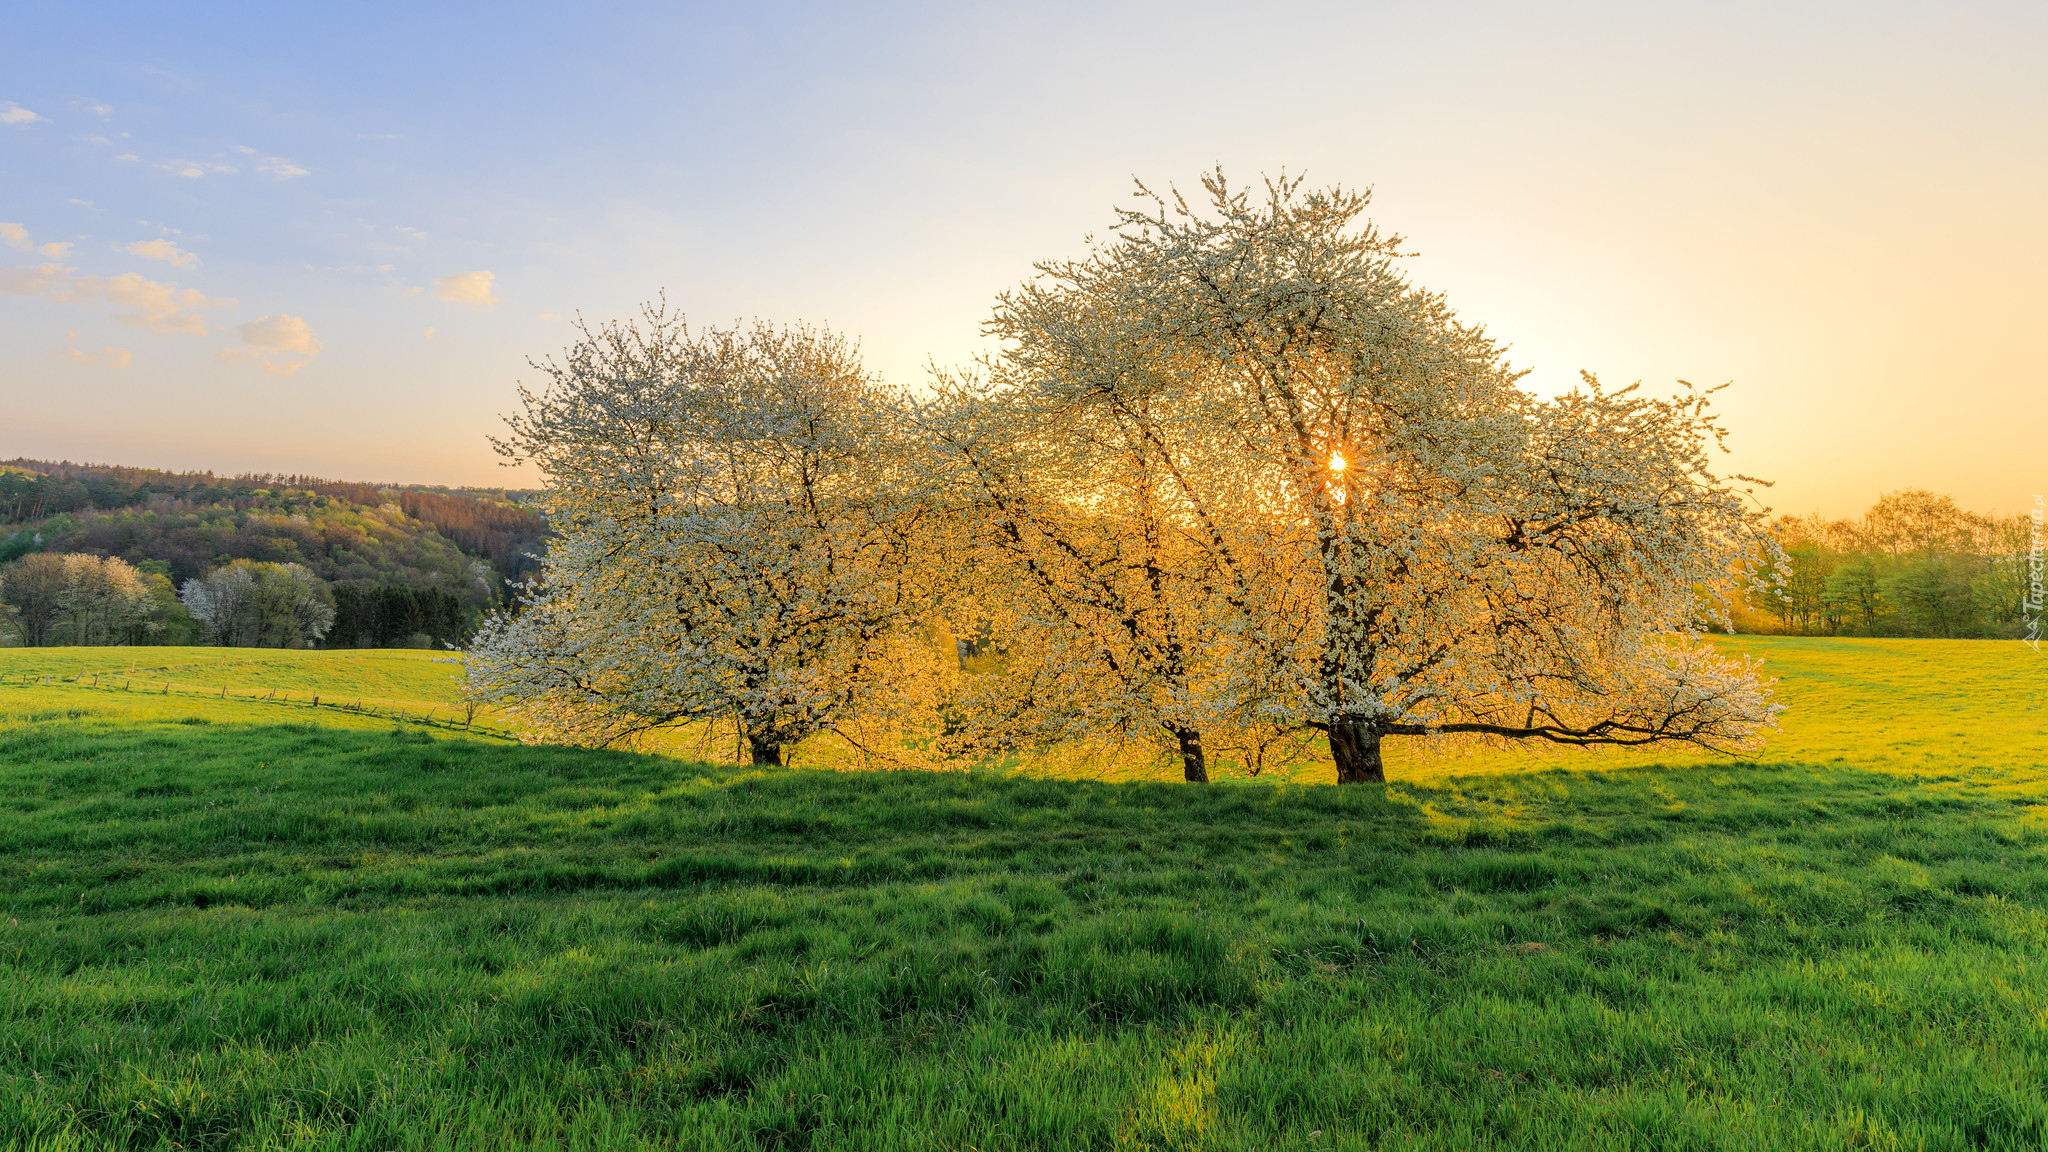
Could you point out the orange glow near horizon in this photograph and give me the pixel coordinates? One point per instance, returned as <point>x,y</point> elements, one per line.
<point>1841,218</point>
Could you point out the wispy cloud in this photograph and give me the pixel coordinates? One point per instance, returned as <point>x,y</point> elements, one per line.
<point>471,288</point>
<point>156,306</point>
<point>280,334</point>
<point>12,113</point>
<point>163,250</point>
<point>226,163</point>
<point>278,344</point>
<point>194,169</point>
<point>410,233</point>
<point>274,165</point>
<point>16,236</point>
<point>108,357</point>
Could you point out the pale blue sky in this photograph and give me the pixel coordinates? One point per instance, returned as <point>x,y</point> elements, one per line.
<point>1838,207</point>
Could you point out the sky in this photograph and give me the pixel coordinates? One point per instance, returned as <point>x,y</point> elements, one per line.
<point>329,239</point>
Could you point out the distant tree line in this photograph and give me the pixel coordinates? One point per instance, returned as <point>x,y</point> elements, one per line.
<point>65,599</point>
<point>33,489</point>
<point>1915,564</point>
<point>257,560</point>
<point>343,532</point>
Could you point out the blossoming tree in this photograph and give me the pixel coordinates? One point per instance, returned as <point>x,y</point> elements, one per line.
<point>739,539</point>
<point>1482,561</point>
<point>1079,560</point>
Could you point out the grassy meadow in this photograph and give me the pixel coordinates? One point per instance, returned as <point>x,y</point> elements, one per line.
<point>377,682</point>
<point>244,921</point>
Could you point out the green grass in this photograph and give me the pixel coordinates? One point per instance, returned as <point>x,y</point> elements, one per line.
<point>380,674</point>
<point>153,684</point>
<point>243,924</point>
<point>1916,706</point>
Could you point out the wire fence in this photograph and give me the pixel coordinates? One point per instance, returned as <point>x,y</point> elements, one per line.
<point>448,717</point>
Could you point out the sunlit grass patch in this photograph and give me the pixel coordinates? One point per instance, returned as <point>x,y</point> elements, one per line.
<point>376,673</point>
<point>1931,708</point>
<point>346,688</point>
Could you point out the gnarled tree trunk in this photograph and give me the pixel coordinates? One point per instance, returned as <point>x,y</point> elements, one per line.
<point>1356,748</point>
<point>1193,764</point>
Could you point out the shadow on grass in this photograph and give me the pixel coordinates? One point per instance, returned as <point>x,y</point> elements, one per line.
<point>98,818</point>
<point>229,935</point>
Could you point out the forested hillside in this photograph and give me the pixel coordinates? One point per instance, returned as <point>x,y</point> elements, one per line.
<point>396,557</point>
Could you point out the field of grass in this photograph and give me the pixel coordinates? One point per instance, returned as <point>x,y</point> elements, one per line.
<point>154,684</point>
<point>380,674</point>
<point>1918,707</point>
<point>244,923</point>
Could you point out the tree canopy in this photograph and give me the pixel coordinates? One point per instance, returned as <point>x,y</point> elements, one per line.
<point>77,599</point>
<point>249,604</point>
<point>1915,564</point>
<point>1231,477</point>
<point>1469,558</point>
<point>740,536</point>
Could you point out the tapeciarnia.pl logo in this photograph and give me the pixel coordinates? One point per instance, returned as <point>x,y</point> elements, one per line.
<point>2031,600</point>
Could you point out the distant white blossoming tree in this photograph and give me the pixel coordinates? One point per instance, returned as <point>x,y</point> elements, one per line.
<point>1472,559</point>
<point>739,538</point>
<point>254,604</point>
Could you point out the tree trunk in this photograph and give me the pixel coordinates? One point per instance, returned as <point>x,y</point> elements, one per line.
<point>766,749</point>
<point>1193,764</point>
<point>1356,748</point>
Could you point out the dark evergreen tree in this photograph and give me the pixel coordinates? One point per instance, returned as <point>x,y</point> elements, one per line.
<point>393,615</point>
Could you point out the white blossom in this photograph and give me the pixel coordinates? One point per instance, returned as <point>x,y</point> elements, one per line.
<point>738,538</point>
<point>1463,557</point>
<point>1232,482</point>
